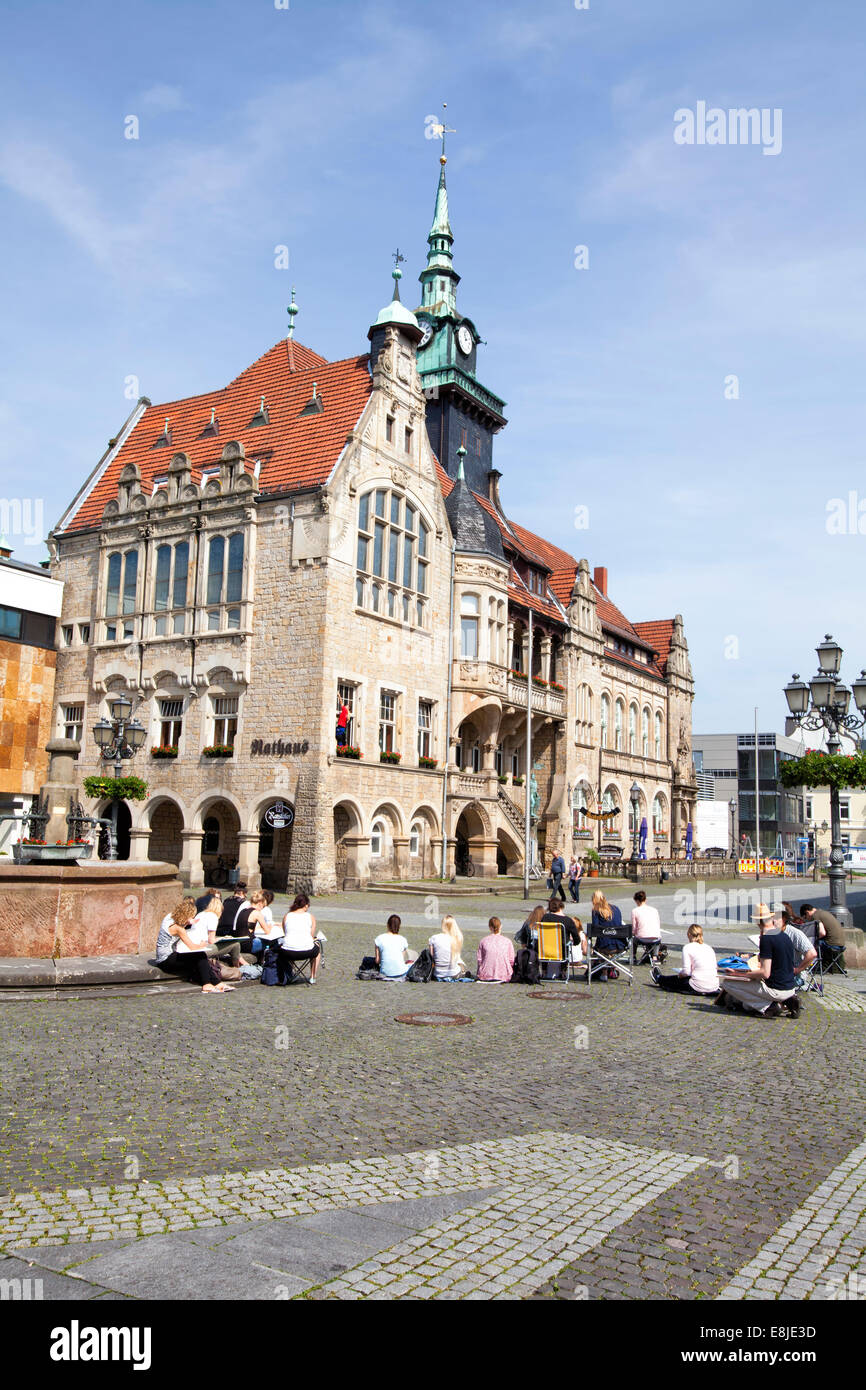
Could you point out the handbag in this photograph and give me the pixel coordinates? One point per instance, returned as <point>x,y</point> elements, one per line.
<point>421,970</point>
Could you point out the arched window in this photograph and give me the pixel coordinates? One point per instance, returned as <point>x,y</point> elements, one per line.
<point>120,593</point>
<point>469,626</point>
<point>211,841</point>
<point>618,715</point>
<point>415,838</point>
<point>659,823</point>
<point>610,802</point>
<point>659,742</point>
<point>170,586</point>
<point>582,799</point>
<point>645,732</point>
<point>394,548</point>
<point>632,728</point>
<point>605,720</point>
<point>225,581</point>
<point>215,560</point>
<point>377,839</point>
<point>641,809</point>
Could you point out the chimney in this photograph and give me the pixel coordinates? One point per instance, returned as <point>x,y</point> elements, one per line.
<point>599,579</point>
<point>493,477</point>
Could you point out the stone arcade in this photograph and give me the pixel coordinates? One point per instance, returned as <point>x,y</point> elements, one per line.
<point>245,560</point>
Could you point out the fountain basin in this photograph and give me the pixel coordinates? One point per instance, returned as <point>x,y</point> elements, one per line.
<point>106,908</point>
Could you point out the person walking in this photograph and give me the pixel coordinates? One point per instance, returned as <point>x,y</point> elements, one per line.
<point>575,874</point>
<point>557,874</point>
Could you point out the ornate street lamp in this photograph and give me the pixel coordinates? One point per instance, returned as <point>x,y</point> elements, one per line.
<point>824,704</point>
<point>117,739</point>
<point>732,807</point>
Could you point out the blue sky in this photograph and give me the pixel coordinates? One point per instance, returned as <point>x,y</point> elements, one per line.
<point>155,258</point>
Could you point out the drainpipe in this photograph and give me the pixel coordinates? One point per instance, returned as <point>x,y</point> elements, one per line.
<point>527,798</point>
<point>448,712</point>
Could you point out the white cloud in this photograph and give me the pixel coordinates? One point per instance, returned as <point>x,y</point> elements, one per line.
<point>162,97</point>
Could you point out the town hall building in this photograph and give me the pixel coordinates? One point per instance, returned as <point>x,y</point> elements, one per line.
<point>244,563</point>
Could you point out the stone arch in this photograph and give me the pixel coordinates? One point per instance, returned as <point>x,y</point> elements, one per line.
<point>509,852</point>
<point>144,818</point>
<point>392,812</point>
<point>351,846</point>
<point>387,841</point>
<point>475,841</point>
<point>207,799</point>
<point>166,822</point>
<point>274,849</point>
<point>229,814</point>
<point>424,842</point>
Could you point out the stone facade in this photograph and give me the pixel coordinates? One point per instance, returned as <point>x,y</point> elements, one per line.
<point>351,565</point>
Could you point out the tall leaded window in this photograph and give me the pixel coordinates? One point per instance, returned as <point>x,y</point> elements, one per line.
<point>605,720</point>
<point>392,557</point>
<point>346,696</point>
<point>225,576</point>
<point>645,733</point>
<point>170,588</point>
<point>659,744</point>
<point>469,626</point>
<point>632,728</point>
<point>658,815</point>
<point>618,711</point>
<point>120,594</point>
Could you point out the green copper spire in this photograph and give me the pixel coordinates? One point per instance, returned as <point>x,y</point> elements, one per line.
<point>439,279</point>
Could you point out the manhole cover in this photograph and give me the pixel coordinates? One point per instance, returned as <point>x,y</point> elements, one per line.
<point>432,1020</point>
<point>570,994</point>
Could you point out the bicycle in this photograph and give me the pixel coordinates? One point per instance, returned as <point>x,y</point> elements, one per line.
<point>221,874</point>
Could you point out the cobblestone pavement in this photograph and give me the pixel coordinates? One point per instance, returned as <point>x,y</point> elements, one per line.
<point>123,1093</point>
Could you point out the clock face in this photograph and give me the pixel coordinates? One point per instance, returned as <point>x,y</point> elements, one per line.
<point>464,340</point>
<point>428,334</point>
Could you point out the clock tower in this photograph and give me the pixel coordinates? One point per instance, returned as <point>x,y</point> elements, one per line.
<point>461,413</point>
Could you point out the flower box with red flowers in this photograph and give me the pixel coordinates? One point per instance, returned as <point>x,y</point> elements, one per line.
<point>348,752</point>
<point>218,750</point>
<point>390,757</point>
<point>429,763</point>
<point>517,675</point>
<point>165,750</point>
<point>560,689</point>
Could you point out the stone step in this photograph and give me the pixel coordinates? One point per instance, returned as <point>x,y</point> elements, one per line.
<point>72,972</point>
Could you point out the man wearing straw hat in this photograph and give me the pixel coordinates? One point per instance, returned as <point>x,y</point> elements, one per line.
<point>771,989</point>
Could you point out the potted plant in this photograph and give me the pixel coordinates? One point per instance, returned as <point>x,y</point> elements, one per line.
<point>424,761</point>
<point>164,750</point>
<point>539,681</point>
<point>517,675</point>
<point>593,858</point>
<point>347,751</point>
<point>218,750</point>
<point>389,757</point>
<point>115,788</point>
<point>502,777</point>
<point>555,685</point>
<point>517,781</point>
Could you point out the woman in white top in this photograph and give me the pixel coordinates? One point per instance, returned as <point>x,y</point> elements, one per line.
<point>699,973</point>
<point>182,935</point>
<point>299,935</point>
<point>260,922</point>
<point>393,956</point>
<point>445,948</point>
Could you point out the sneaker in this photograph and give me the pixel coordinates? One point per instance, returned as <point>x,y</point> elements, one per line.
<point>773,1010</point>
<point>656,974</point>
<point>793,1006</point>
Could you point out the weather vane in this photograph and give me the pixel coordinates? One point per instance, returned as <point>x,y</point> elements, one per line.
<point>397,257</point>
<point>442,129</point>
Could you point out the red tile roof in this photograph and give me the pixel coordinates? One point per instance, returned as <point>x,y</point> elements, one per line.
<point>295,451</point>
<point>658,636</point>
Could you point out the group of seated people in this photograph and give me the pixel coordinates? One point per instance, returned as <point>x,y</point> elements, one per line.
<point>202,940</point>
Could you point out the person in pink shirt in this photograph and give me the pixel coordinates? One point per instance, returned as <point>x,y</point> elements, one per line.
<point>646,929</point>
<point>495,955</point>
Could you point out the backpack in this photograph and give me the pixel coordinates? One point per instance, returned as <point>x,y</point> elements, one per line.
<point>421,970</point>
<point>272,974</point>
<point>525,970</point>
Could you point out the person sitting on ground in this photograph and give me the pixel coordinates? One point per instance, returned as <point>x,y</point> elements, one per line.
<point>765,990</point>
<point>445,948</point>
<point>495,955</point>
<point>257,925</point>
<point>299,935</point>
<point>699,972</point>
<point>179,948</point>
<point>393,956</point>
<point>829,932</point>
<point>527,935</point>
<point>646,925</point>
<point>231,908</point>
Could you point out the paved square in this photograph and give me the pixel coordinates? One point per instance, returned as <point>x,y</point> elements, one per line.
<point>300,1142</point>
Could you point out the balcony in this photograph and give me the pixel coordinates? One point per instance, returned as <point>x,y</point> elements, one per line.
<point>544,700</point>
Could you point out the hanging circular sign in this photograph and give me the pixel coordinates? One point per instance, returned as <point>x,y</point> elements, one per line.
<point>279,816</point>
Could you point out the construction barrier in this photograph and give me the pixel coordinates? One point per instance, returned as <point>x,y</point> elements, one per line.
<point>763,866</point>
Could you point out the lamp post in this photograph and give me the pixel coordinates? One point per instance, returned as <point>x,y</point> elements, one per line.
<point>823,704</point>
<point>634,794</point>
<point>732,807</point>
<point>118,738</point>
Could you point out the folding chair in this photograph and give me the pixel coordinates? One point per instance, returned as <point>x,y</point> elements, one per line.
<point>296,970</point>
<point>654,953</point>
<point>832,958</point>
<point>553,951</point>
<point>600,962</point>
